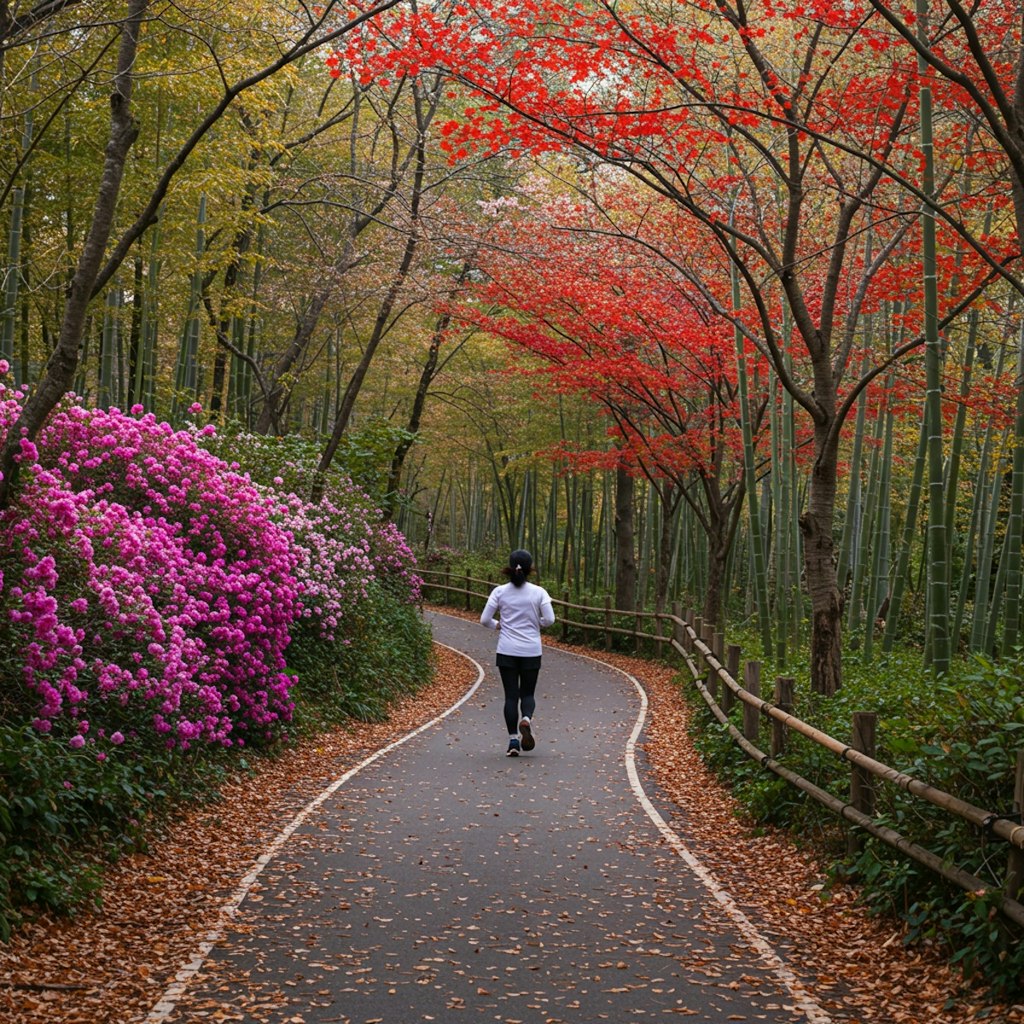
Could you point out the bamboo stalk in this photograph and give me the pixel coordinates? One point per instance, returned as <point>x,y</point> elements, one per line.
<point>1015,521</point>
<point>851,521</point>
<point>987,514</point>
<point>880,556</point>
<point>760,588</point>
<point>12,280</point>
<point>938,542</point>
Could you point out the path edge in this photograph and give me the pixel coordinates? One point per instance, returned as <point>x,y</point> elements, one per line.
<point>168,1001</point>
<point>802,998</point>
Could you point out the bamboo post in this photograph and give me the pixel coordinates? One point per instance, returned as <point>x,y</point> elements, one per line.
<point>1015,870</point>
<point>698,629</point>
<point>687,618</point>
<point>467,591</point>
<point>607,622</point>
<point>862,789</point>
<point>565,617</point>
<point>751,715</point>
<point>636,633</point>
<point>658,645</point>
<point>784,702</point>
<point>710,678</point>
<point>732,666</point>
<point>679,633</point>
<point>447,586</point>
<point>718,649</point>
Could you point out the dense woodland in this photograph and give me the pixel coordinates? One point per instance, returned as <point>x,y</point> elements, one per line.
<point>704,302</point>
<point>756,301</point>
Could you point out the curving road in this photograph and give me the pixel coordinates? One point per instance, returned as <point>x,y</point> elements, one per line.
<point>446,882</point>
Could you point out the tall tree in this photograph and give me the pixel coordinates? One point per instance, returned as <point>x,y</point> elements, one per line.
<point>615,317</point>
<point>98,261</point>
<point>785,111</point>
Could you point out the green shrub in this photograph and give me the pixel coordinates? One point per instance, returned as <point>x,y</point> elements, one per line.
<point>64,812</point>
<point>386,652</point>
<point>960,734</point>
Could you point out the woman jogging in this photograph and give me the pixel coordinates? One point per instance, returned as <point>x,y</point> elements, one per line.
<point>519,610</point>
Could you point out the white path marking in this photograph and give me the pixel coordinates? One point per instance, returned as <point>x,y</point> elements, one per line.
<point>802,999</point>
<point>173,993</point>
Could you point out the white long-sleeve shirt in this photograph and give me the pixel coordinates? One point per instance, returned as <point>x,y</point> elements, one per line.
<point>523,612</point>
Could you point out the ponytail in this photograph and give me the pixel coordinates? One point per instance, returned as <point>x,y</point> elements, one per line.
<point>520,564</point>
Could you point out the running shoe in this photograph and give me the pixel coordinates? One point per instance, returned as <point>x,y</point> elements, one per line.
<point>526,732</point>
<point>513,748</point>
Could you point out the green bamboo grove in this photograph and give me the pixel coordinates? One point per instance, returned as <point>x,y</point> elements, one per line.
<point>289,280</point>
<point>884,537</point>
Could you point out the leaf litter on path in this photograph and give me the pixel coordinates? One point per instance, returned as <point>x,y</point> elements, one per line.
<point>110,965</point>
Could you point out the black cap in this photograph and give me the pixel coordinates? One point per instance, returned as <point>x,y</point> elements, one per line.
<point>520,560</point>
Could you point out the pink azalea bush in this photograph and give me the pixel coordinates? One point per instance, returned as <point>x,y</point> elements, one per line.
<point>343,551</point>
<point>150,594</point>
<point>359,640</point>
<point>147,589</point>
<point>334,568</point>
<point>395,564</point>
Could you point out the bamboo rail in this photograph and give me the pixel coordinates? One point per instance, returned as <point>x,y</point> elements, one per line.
<point>984,819</point>
<point>688,640</point>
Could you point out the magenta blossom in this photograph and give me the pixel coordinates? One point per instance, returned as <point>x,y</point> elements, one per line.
<point>145,584</point>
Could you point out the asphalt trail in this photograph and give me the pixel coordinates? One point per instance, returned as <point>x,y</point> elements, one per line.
<point>447,882</point>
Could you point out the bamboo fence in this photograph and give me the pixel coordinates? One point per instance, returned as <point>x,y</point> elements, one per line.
<point>714,670</point>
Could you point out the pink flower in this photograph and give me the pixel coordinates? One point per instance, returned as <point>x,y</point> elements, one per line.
<point>77,742</point>
<point>148,580</point>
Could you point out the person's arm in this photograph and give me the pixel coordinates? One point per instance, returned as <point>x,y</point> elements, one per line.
<point>487,615</point>
<point>547,613</point>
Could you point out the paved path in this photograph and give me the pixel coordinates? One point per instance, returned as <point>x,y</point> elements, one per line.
<point>447,882</point>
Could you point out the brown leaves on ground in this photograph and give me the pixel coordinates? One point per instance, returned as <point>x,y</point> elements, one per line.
<point>110,966</point>
<point>854,964</point>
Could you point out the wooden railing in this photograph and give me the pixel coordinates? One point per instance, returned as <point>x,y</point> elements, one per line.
<point>714,670</point>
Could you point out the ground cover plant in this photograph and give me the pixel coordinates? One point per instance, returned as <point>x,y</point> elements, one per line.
<point>959,732</point>
<point>161,612</point>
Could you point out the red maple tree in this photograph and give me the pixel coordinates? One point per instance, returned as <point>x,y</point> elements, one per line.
<point>787,134</point>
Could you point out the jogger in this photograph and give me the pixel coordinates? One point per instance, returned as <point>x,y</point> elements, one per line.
<point>519,610</point>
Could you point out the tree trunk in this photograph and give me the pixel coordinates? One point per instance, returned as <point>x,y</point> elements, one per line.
<point>819,565</point>
<point>273,400</point>
<point>60,370</point>
<point>669,504</point>
<point>416,413</point>
<point>135,335</point>
<point>381,324</point>
<point>718,558</point>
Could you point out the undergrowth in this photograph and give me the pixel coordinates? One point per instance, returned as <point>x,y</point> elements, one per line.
<point>959,733</point>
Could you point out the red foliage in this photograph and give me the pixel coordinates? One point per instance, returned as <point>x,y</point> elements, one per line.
<point>754,153</point>
<point>615,318</point>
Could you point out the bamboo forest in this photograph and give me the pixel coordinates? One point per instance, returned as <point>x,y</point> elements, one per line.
<point>708,305</point>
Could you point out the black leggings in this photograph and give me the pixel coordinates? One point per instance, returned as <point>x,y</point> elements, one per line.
<point>519,678</point>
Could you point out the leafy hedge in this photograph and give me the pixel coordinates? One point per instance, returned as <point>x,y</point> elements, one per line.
<point>162,607</point>
<point>64,812</point>
<point>961,734</point>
